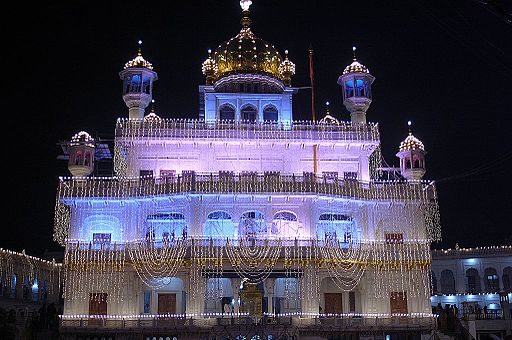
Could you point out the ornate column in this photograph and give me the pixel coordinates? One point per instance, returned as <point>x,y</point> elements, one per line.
<point>235,284</point>
<point>269,285</point>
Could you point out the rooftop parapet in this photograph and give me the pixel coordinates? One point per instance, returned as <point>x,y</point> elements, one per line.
<point>221,130</point>
<point>213,183</point>
<point>470,252</point>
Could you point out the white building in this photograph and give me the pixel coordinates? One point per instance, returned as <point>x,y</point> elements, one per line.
<point>244,221</point>
<point>479,282</point>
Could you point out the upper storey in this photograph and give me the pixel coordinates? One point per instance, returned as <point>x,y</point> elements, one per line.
<point>247,80</point>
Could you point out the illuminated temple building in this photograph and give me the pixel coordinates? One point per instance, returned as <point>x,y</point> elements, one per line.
<point>243,223</point>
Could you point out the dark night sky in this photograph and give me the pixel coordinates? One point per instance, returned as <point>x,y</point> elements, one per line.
<point>446,65</point>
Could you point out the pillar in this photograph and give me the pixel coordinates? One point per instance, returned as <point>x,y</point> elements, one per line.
<point>269,285</point>
<point>235,284</point>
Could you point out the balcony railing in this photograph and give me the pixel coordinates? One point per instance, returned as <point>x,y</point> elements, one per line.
<point>190,323</point>
<point>197,129</point>
<point>119,188</point>
<point>477,251</point>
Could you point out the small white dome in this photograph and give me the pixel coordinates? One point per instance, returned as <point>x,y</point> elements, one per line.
<point>82,138</point>
<point>411,143</point>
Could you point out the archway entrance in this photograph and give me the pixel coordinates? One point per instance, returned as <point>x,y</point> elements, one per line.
<point>251,300</point>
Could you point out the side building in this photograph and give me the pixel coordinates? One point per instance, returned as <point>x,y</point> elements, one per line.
<point>478,282</point>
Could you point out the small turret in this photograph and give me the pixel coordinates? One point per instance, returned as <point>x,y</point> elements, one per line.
<point>81,155</point>
<point>138,77</point>
<point>412,157</point>
<point>356,82</point>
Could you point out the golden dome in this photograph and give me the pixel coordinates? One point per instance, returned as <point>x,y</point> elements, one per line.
<point>411,143</point>
<point>247,54</point>
<point>139,61</point>
<point>82,138</point>
<point>356,67</point>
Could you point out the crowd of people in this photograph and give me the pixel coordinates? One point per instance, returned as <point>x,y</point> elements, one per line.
<point>447,316</point>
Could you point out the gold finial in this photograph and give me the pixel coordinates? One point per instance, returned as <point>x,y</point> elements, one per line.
<point>409,124</point>
<point>246,21</point>
<point>354,51</point>
<point>152,106</point>
<point>327,108</point>
<point>140,48</point>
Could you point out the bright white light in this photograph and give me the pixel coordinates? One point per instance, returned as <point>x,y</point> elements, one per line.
<point>245,4</point>
<point>327,103</point>
<point>209,51</point>
<point>353,48</point>
<point>409,123</point>
<point>140,42</point>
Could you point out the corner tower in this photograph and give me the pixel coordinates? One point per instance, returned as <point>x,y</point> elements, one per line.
<point>138,77</point>
<point>412,157</point>
<point>356,82</point>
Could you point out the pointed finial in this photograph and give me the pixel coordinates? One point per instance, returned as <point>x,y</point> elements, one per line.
<point>327,107</point>
<point>354,51</point>
<point>246,21</point>
<point>152,106</point>
<point>140,47</point>
<point>286,54</point>
<point>409,124</point>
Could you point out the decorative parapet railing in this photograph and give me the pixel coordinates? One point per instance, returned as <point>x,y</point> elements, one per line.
<point>119,188</point>
<point>477,251</point>
<point>201,130</point>
<point>317,323</point>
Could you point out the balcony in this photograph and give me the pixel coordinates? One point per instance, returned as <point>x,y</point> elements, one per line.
<point>199,130</point>
<point>145,324</point>
<point>125,188</point>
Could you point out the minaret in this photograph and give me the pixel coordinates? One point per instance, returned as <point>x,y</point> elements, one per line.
<point>81,155</point>
<point>287,69</point>
<point>356,82</point>
<point>138,77</point>
<point>412,157</point>
<point>210,68</point>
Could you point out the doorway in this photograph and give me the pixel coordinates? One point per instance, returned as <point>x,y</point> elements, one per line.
<point>333,303</point>
<point>167,303</point>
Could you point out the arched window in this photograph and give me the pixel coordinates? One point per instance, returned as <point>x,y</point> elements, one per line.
<point>249,114</point>
<point>473,280</point>
<point>87,159</point>
<point>270,114</point>
<point>252,223</point>
<point>336,226</point>
<point>285,224</point>
<point>35,290</point>
<point>14,280</point>
<point>349,89</point>
<point>492,282</point>
<point>360,88</point>
<point>166,227</point>
<point>434,283</point>
<point>447,282</point>
<point>79,158</point>
<point>227,112</point>
<point>219,225</point>
<point>507,279</point>
<point>26,288</point>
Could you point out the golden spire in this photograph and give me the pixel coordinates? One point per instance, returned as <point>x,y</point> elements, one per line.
<point>246,21</point>
<point>140,48</point>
